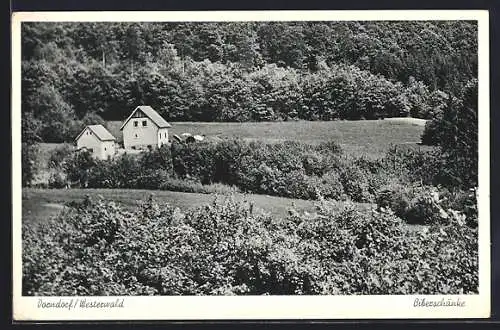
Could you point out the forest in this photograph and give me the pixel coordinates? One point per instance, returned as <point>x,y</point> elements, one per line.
<point>80,73</point>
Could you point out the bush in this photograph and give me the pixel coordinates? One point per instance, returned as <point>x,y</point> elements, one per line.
<point>288,169</point>
<point>59,155</point>
<point>330,186</point>
<point>432,133</point>
<point>270,180</point>
<point>231,248</point>
<point>57,180</point>
<point>464,202</point>
<point>297,184</point>
<point>251,166</point>
<point>229,165</point>
<point>395,197</point>
<point>415,204</point>
<point>355,182</point>
<point>318,163</point>
<point>77,168</point>
<point>182,185</point>
<point>417,166</point>
<point>160,158</point>
<point>29,166</point>
<point>152,179</point>
<point>455,130</point>
<point>194,160</point>
<point>329,147</point>
<point>424,209</point>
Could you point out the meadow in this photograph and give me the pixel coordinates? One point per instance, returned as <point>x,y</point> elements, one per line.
<point>370,138</point>
<point>42,204</point>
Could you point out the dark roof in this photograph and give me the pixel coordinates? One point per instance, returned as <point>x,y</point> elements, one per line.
<point>151,114</point>
<point>100,131</point>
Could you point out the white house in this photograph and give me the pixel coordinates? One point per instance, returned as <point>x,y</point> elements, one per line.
<point>144,128</point>
<point>98,140</point>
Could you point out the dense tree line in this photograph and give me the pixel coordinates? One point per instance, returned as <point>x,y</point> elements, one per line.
<point>74,72</point>
<point>455,129</point>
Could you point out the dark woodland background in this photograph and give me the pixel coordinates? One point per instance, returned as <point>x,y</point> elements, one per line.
<point>83,73</point>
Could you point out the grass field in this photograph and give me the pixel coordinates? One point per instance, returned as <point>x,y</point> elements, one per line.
<point>41,204</point>
<point>371,138</point>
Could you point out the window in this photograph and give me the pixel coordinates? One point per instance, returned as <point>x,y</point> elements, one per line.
<point>144,123</point>
<point>136,136</point>
<point>104,148</point>
<point>136,123</point>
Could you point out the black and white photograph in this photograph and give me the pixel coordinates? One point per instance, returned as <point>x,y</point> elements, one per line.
<point>261,158</point>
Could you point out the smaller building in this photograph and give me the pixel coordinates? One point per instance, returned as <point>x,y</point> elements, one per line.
<point>98,140</point>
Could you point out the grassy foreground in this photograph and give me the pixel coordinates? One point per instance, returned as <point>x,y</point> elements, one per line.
<point>41,204</point>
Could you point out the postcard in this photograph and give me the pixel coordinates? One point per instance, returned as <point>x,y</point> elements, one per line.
<point>250,165</point>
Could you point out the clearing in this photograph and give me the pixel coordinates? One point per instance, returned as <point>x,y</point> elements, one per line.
<point>42,204</point>
<point>371,138</point>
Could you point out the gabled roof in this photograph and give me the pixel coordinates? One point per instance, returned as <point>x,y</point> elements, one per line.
<point>100,131</point>
<point>151,114</point>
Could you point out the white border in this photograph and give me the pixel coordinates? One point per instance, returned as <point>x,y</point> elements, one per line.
<point>268,307</point>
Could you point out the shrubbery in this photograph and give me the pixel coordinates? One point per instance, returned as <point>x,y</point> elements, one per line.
<point>425,167</point>
<point>29,149</point>
<point>417,204</point>
<point>288,169</point>
<point>59,155</point>
<point>29,158</point>
<point>455,130</point>
<point>57,180</point>
<point>227,248</point>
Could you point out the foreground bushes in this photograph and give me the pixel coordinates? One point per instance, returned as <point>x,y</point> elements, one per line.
<point>227,248</point>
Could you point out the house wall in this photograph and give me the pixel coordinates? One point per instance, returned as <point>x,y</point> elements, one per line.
<point>100,149</point>
<point>90,141</point>
<point>107,149</point>
<point>162,136</point>
<point>140,136</point>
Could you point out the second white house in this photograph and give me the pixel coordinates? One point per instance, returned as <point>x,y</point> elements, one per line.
<point>98,140</point>
<point>144,129</point>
